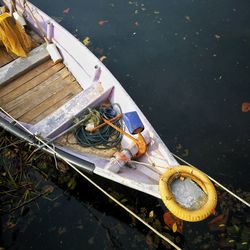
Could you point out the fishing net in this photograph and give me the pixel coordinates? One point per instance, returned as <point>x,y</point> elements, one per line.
<point>13,36</point>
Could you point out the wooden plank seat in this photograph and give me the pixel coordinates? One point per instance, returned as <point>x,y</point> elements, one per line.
<point>63,117</point>
<point>39,92</point>
<point>19,66</point>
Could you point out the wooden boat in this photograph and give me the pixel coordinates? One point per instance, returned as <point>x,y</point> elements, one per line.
<point>45,98</point>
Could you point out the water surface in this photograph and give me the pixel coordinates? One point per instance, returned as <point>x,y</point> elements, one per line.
<point>186,64</point>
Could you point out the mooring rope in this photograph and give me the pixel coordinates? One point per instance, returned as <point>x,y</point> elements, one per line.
<point>216,182</point>
<point>96,185</point>
<point>152,167</point>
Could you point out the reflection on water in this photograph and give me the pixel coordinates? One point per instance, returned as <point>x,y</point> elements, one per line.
<point>190,59</point>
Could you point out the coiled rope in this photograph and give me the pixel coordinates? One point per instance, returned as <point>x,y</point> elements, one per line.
<point>94,184</point>
<point>105,137</point>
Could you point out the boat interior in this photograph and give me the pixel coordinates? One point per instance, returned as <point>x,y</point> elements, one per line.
<point>38,94</point>
<point>39,89</point>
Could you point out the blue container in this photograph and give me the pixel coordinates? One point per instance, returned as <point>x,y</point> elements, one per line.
<point>133,122</point>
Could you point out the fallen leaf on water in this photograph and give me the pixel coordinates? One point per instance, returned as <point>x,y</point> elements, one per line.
<point>151,214</point>
<point>86,41</point>
<point>102,58</point>
<point>245,107</point>
<point>172,222</point>
<point>91,240</point>
<point>124,200</point>
<point>48,189</point>
<point>62,230</point>
<point>72,183</point>
<point>174,227</point>
<point>62,167</point>
<point>66,11</point>
<point>102,22</point>
<point>219,222</point>
<point>10,224</point>
<point>217,36</point>
<point>149,239</point>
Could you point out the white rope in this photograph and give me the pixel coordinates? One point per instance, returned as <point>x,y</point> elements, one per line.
<point>216,182</point>
<point>148,165</point>
<point>152,167</point>
<point>96,185</point>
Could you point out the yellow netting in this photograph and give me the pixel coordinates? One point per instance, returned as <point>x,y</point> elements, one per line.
<point>14,36</point>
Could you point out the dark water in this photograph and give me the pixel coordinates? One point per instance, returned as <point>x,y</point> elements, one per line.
<point>186,64</point>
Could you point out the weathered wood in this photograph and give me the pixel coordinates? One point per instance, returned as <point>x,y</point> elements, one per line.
<point>36,95</point>
<point>40,97</point>
<point>62,117</point>
<point>51,104</point>
<point>21,65</point>
<point>6,89</point>
<point>25,87</point>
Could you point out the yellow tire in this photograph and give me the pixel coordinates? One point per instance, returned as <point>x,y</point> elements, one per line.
<point>201,180</point>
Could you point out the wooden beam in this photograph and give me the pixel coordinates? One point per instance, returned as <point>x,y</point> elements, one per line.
<point>60,119</point>
<point>21,65</point>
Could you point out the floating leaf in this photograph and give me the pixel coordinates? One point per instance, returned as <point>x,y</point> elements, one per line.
<point>152,214</point>
<point>172,222</point>
<point>217,219</point>
<point>10,224</point>
<point>91,240</point>
<point>174,227</point>
<point>102,22</point>
<point>136,23</point>
<point>217,36</point>
<point>86,41</point>
<point>102,58</point>
<point>124,200</point>
<point>149,239</point>
<point>66,11</point>
<point>245,107</point>
<point>62,230</point>
<point>48,189</point>
<point>72,183</point>
<point>218,223</point>
<point>62,167</point>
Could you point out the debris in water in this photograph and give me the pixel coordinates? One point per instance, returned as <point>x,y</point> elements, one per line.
<point>66,11</point>
<point>136,23</point>
<point>245,107</point>
<point>102,22</point>
<point>86,41</point>
<point>172,222</point>
<point>219,222</point>
<point>217,36</point>
<point>102,58</point>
